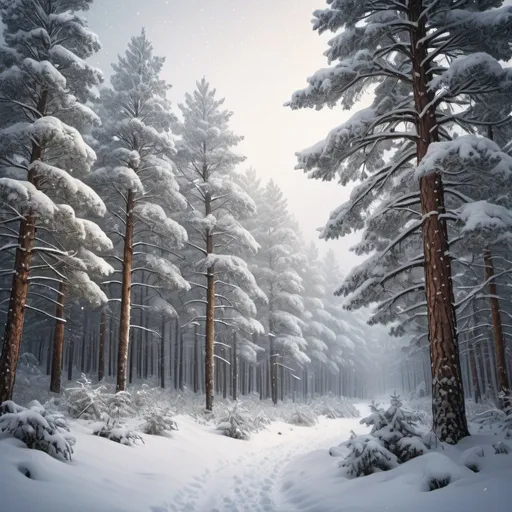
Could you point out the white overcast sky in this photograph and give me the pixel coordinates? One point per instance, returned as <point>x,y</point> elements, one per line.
<point>255,53</point>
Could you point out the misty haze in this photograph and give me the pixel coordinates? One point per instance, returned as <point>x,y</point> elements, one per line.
<point>255,255</point>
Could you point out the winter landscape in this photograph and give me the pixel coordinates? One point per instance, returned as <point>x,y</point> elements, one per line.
<point>255,255</point>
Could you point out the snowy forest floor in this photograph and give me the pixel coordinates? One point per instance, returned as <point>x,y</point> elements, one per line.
<point>283,468</point>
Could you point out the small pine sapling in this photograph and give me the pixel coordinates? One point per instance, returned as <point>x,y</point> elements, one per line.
<point>39,429</point>
<point>401,435</point>
<point>85,400</point>
<point>159,422</point>
<point>236,423</point>
<point>366,456</point>
<point>120,405</point>
<point>112,430</point>
<point>377,419</point>
<point>302,417</point>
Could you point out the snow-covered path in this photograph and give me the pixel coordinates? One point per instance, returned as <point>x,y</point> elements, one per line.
<point>249,478</point>
<point>197,470</point>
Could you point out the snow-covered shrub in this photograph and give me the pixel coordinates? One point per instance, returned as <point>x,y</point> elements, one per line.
<point>302,417</point>
<point>377,418</point>
<point>236,423</point>
<point>507,422</point>
<point>493,418</point>
<point>366,456</point>
<point>86,400</point>
<point>28,363</point>
<point>159,422</point>
<point>396,430</point>
<point>52,416</point>
<point>144,397</point>
<point>471,458</point>
<point>38,428</point>
<point>501,448</point>
<point>439,472</point>
<point>261,421</point>
<point>112,430</point>
<point>408,448</point>
<point>335,407</point>
<point>120,405</point>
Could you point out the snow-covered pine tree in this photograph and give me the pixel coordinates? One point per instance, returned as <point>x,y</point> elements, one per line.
<point>366,456</point>
<point>276,272</point>
<point>81,239</point>
<point>136,179</point>
<point>419,57</point>
<point>217,240</point>
<point>351,353</point>
<point>44,85</point>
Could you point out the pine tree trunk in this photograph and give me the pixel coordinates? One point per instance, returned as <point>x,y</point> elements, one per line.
<point>71,353</point>
<point>448,408</point>
<point>19,287</point>
<point>182,362</point>
<point>497,329</point>
<point>58,340</point>
<point>234,367</point>
<point>101,355</point>
<point>124,323</point>
<point>176,353</point>
<point>273,368</point>
<point>162,355</point>
<point>210,318</point>
<point>196,359</point>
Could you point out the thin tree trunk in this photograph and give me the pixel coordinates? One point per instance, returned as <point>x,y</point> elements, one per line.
<point>176,353</point>
<point>234,367</point>
<point>196,359</point>
<point>273,367</point>
<point>448,408</point>
<point>497,329</point>
<point>49,352</point>
<point>71,353</point>
<point>210,317</point>
<point>101,355</point>
<point>182,362</point>
<point>131,357</point>
<point>162,355</point>
<point>124,323</point>
<point>58,340</point>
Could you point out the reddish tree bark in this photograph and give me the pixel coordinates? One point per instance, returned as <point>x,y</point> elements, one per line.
<point>497,329</point>
<point>19,287</point>
<point>58,340</point>
<point>449,418</point>
<point>124,324</point>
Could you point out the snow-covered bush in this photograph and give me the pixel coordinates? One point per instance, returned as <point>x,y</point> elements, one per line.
<point>501,448</point>
<point>396,429</point>
<point>38,428</point>
<point>471,458</point>
<point>377,419</point>
<point>120,405</point>
<point>366,456</point>
<point>112,430</point>
<point>86,400</point>
<point>261,421</point>
<point>439,472</point>
<point>236,423</point>
<point>302,417</point>
<point>159,422</point>
<point>507,422</point>
<point>335,407</point>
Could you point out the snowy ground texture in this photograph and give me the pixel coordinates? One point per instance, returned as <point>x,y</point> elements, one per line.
<point>283,468</point>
